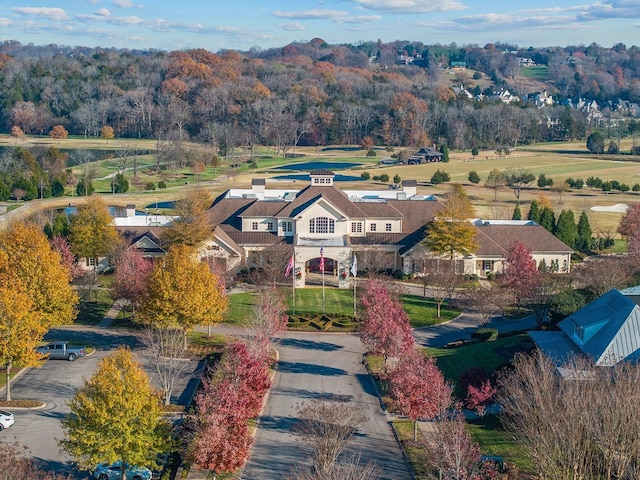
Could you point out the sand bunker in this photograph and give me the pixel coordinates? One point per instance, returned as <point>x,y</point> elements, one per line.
<point>617,208</point>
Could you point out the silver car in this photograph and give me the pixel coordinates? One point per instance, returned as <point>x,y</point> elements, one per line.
<point>106,471</point>
<point>6,419</point>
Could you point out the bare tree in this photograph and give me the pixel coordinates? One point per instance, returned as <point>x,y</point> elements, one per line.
<point>449,448</point>
<point>170,359</point>
<point>483,301</point>
<point>273,263</point>
<point>442,280</point>
<point>581,424</point>
<point>327,426</point>
<point>600,274</point>
<point>269,318</point>
<point>349,469</point>
<point>544,291</point>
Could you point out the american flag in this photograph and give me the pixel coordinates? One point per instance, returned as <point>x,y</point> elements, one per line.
<point>322,259</point>
<point>287,271</point>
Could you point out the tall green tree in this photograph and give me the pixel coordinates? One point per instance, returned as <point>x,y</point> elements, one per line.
<point>517,214</point>
<point>444,150</point>
<point>595,143</point>
<point>566,228</point>
<point>116,415</point>
<point>451,233</point>
<point>583,241</point>
<point>183,292</point>
<point>534,212</point>
<point>91,231</point>
<point>548,219</point>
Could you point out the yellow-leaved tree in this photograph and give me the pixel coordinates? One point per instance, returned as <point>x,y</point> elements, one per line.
<point>116,415</point>
<point>36,294</point>
<point>451,233</point>
<point>183,292</point>
<point>91,231</point>
<point>192,226</point>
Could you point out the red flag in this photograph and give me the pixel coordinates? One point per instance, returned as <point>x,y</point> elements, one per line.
<point>322,259</point>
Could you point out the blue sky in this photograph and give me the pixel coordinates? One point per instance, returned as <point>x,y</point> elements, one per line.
<point>242,24</point>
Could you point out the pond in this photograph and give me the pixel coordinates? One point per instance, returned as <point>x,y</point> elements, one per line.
<point>305,177</point>
<point>317,165</point>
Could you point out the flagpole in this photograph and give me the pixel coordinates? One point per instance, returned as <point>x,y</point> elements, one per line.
<point>293,283</point>
<point>354,297</point>
<point>322,263</point>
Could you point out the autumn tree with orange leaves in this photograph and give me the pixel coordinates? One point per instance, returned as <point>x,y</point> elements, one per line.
<point>35,295</point>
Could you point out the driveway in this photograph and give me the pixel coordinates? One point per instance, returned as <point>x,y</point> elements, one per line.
<point>313,365</point>
<point>461,328</point>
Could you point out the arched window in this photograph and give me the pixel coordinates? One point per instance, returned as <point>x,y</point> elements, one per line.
<point>322,225</point>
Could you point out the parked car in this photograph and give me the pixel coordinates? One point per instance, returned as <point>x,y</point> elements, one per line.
<point>113,471</point>
<point>62,351</point>
<point>6,419</point>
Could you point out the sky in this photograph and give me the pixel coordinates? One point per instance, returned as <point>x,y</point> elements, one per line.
<point>244,24</point>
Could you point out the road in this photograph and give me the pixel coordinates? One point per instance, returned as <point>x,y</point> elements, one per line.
<point>312,365</point>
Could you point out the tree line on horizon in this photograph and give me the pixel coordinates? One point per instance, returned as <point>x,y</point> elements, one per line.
<point>306,93</point>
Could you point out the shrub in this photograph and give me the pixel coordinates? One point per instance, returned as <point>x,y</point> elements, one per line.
<point>162,185</point>
<point>384,178</point>
<point>150,186</point>
<point>485,334</point>
<point>365,175</point>
<point>398,275</point>
<point>440,176</point>
<point>371,153</point>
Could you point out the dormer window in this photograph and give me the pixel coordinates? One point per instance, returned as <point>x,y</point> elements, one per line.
<point>322,225</point>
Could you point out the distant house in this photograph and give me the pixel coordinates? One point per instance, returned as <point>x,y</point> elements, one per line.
<point>505,96</point>
<point>426,155</point>
<point>607,331</point>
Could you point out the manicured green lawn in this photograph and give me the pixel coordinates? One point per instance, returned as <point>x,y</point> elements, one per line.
<point>489,355</point>
<point>539,72</point>
<point>337,302</point>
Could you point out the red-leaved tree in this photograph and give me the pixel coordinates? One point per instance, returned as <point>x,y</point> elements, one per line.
<point>385,329</point>
<point>67,258</point>
<point>521,276</point>
<point>131,277</point>
<point>418,388</point>
<point>629,228</point>
<point>221,437</point>
<point>478,398</point>
<point>248,371</point>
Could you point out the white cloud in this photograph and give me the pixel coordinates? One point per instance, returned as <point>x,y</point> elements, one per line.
<point>292,27</point>
<point>315,14</point>
<point>103,12</point>
<point>123,3</point>
<point>336,16</point>
<point>57,14</point>
<point>5,22</point>
<point>411,6</point>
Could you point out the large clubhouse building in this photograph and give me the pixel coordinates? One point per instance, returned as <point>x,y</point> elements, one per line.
<point>382,229</point>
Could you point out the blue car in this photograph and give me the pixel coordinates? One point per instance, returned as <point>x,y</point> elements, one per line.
<point>106,471</point>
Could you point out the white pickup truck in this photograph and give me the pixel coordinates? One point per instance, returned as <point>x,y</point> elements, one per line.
<point>62,351</point>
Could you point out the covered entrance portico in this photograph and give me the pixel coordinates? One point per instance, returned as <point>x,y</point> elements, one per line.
<point>308,253</point>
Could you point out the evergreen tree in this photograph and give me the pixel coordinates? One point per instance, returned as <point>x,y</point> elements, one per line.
<point>566,229</point>
<point>474,177</point>
<point>444,150</point>
<point>547,219</point>
<point>517,215</point>
<point>534,212</point>
<point>583,242</point>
